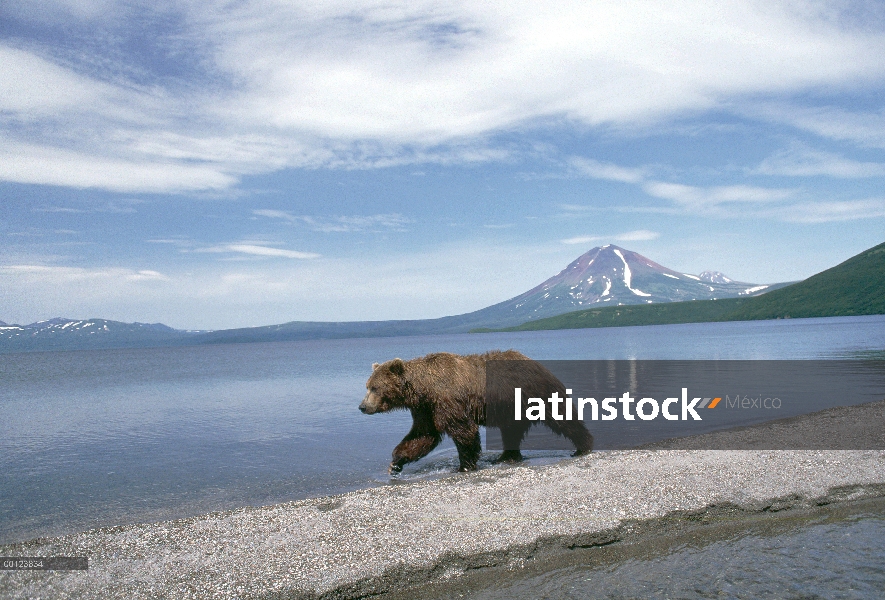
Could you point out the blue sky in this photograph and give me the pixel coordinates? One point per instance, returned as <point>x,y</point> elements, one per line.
<point>224,164</point>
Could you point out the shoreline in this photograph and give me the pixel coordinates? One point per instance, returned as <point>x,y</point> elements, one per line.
<point>384,539</point>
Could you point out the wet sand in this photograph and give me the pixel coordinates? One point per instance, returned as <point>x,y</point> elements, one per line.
<point>386,539</point>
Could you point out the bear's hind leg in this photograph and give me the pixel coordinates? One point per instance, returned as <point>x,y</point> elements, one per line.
<point>574,431</point>
<point>468,452</point>
<point>512,435</point>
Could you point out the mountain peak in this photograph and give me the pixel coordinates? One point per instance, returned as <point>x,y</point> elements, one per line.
<point>714,277</point>
<point>52,321</point>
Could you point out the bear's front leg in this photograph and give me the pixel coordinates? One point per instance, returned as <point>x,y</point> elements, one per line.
<point>411,449</point>
<point>421,439</point>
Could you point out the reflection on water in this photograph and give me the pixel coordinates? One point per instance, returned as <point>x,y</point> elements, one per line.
<point>96,438</point>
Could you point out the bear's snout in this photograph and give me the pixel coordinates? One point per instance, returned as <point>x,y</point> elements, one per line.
<point>367,406</point>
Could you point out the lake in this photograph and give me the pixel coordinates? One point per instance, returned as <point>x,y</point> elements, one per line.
<point>97,438</point>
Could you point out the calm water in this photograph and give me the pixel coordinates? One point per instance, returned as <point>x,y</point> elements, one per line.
<point>94,438</point>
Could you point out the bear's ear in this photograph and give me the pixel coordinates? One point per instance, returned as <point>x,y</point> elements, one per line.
<point>397,366</point>
<point>375,366</point>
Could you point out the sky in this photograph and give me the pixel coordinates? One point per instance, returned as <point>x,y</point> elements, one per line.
<point>211,165</point>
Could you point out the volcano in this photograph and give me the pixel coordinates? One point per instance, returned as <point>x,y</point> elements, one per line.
<point>611,276</point>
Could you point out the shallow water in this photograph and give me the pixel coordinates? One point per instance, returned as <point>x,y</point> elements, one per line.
<point>830,560</point>
<point>94,438</point>
<point>837,554</point>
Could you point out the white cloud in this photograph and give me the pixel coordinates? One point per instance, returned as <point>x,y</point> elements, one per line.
<point>831,122</point>
<point>394,222</point>
<point>829,212</point>
<point>59,209</point>
<point>256,250</point>
<point>275,214</point>
<point>607,171</point>
<point>800,161</point>
<point>639,235</point>
<point>357,85</point>
<point>60,11</point>
<point>346,224</point>
<point>148,275</point>
<point>67,275</point>
<point>794,211</point>
<point>702,197</point>
<point>172,241</point>
<point>747,201</point>
<point>30,163</point>
<point>575,208</point>
<point>32,87</point>
<point>428,72</point>
<point>587,239</point>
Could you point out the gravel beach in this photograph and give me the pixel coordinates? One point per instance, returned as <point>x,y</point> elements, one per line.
<point>385,539</point>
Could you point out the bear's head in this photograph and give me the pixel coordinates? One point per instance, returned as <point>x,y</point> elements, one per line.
<point>385,387</point>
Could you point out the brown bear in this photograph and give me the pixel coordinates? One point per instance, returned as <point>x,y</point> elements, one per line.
<point>446,394</point>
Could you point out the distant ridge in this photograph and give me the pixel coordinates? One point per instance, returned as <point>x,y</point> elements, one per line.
<point>603,276</point>
<point>69,334</point>
<point>854,287</point>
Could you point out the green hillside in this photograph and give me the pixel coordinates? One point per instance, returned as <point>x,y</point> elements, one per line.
<point>855,287</point>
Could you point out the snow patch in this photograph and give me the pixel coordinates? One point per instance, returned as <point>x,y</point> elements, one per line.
<point>628,276</point>
<point>608,286</point>
<point>670,276</point>
<point>754,289</point>
<point>692,277</point>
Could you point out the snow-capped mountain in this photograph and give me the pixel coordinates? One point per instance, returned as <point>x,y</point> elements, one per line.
<point>59,333</point>
<point>609,276</point>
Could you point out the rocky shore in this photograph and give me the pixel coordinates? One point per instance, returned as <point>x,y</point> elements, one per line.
<point>386,539</point>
